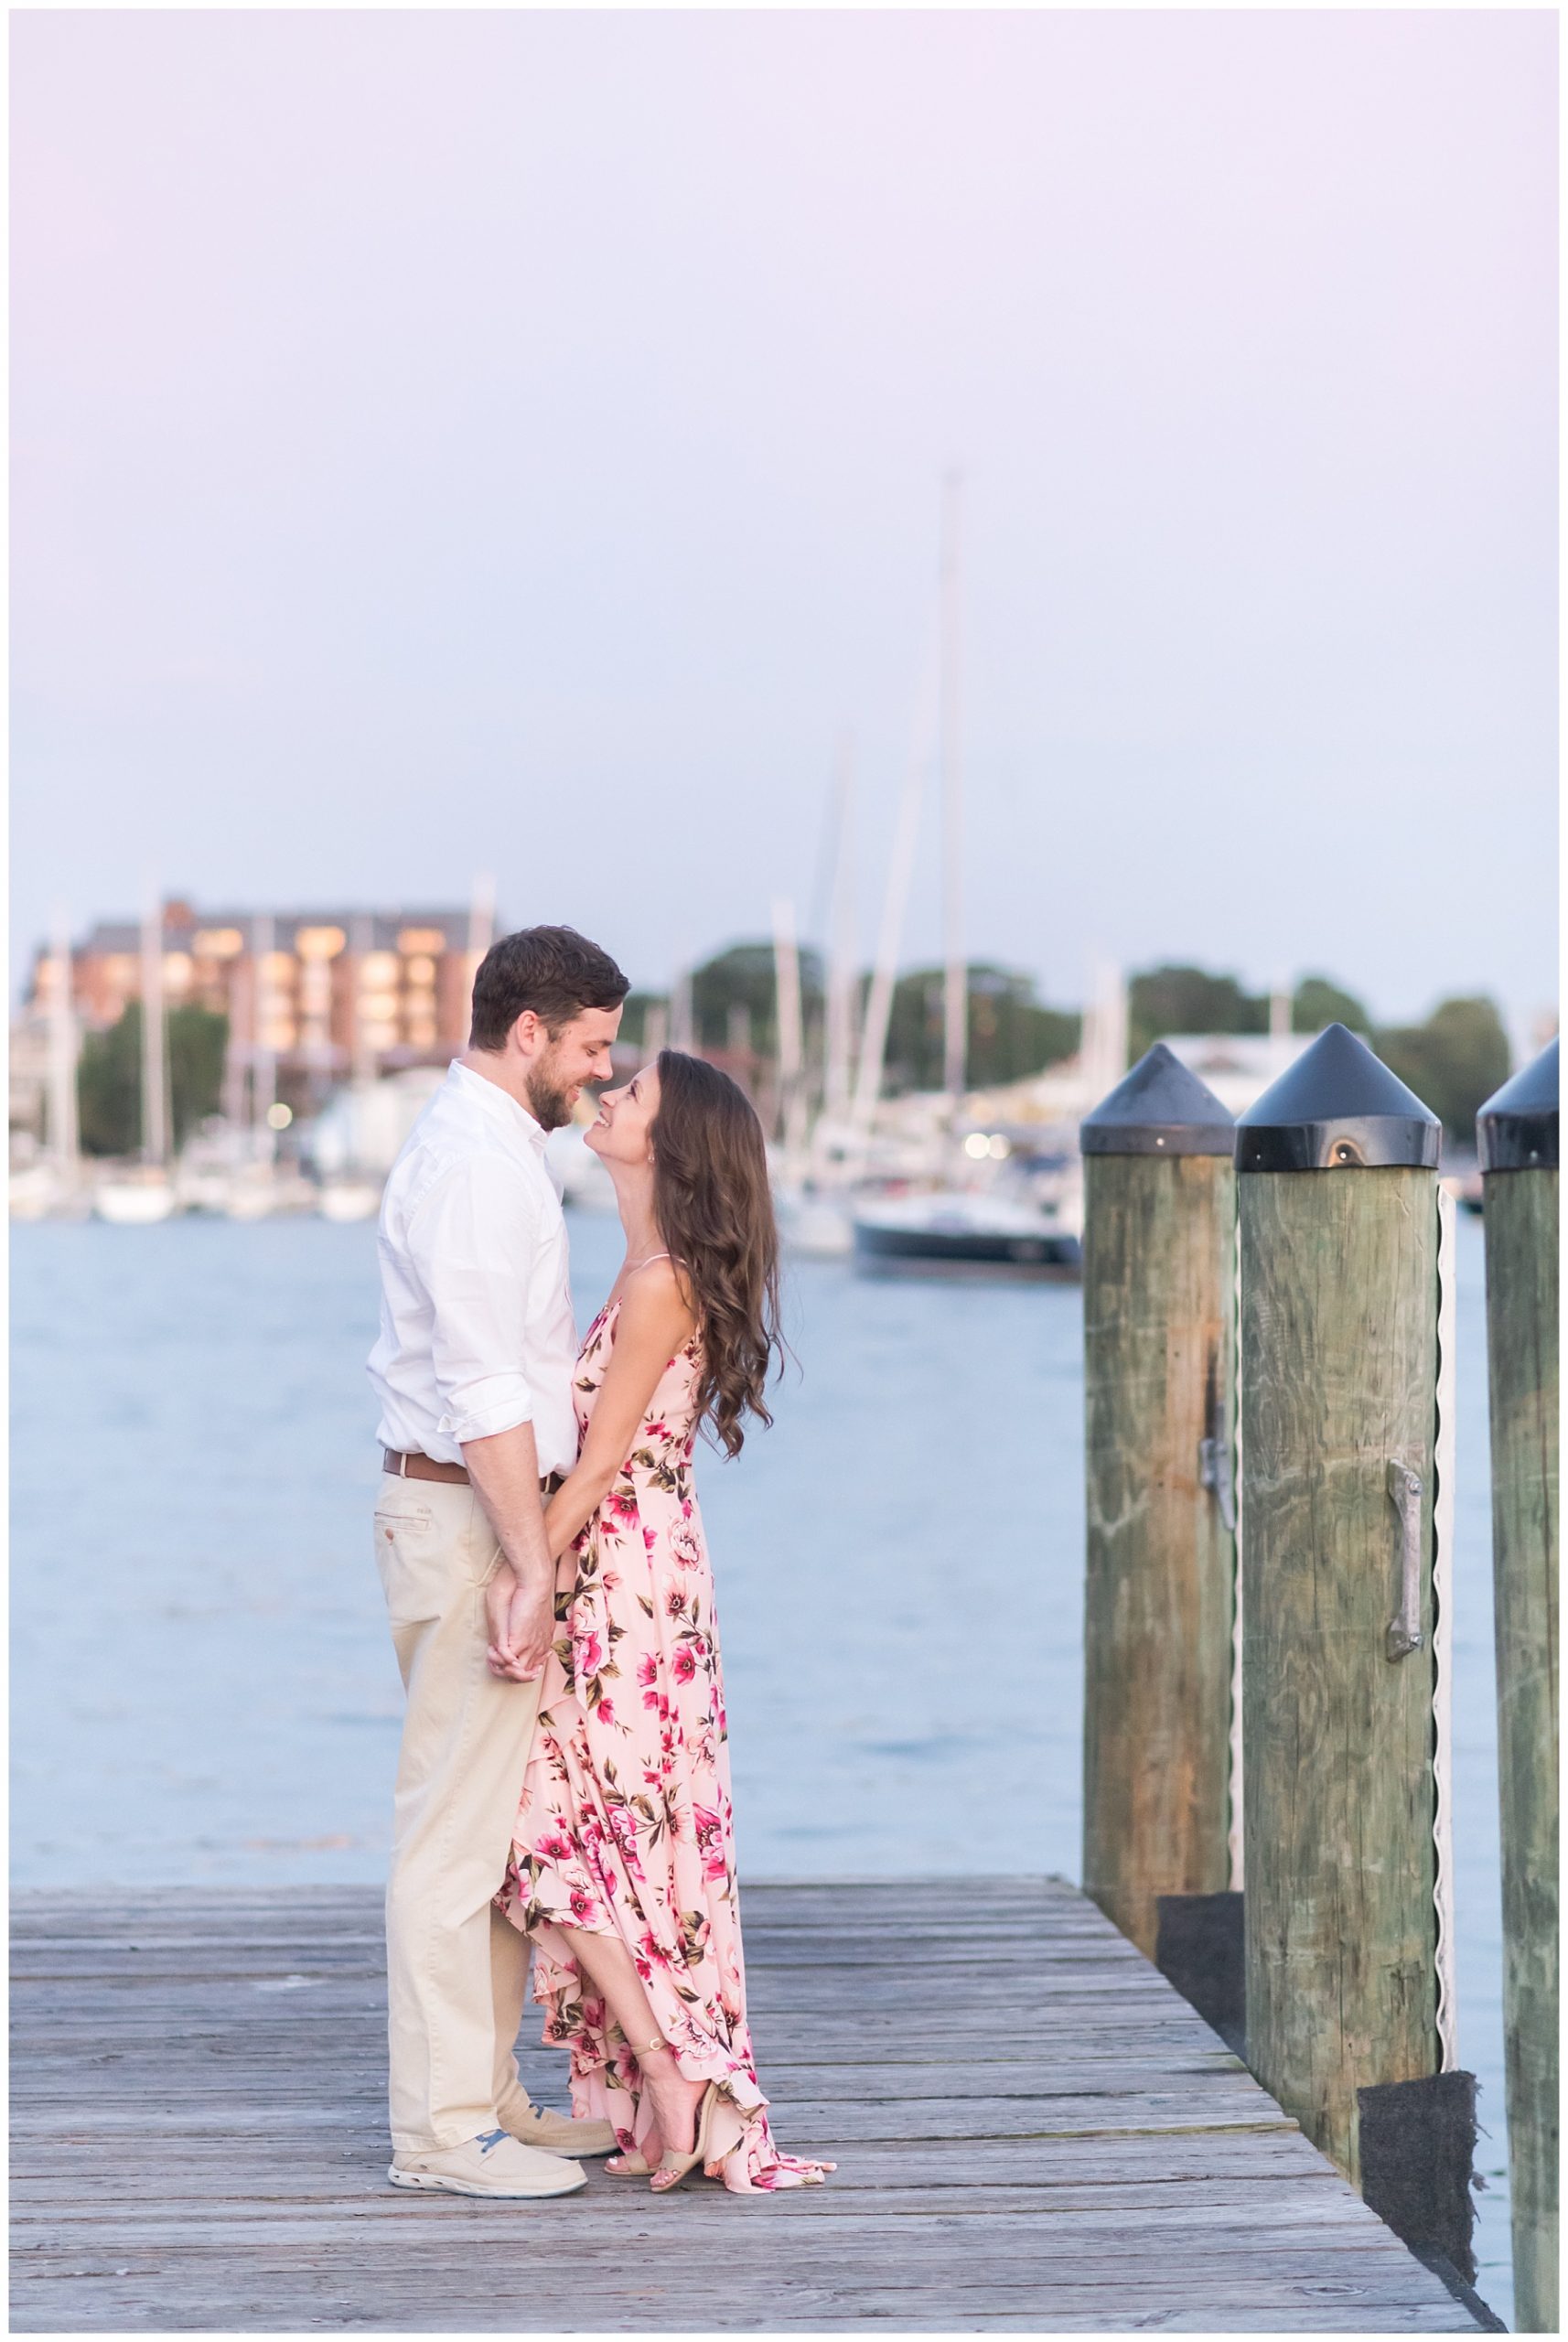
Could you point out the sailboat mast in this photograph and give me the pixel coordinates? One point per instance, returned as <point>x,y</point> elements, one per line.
<point>955,991</point>
<point>154,1038</point>
<point>263,1060</point>
<point>481,922</point>
<point>841,983</point>
<point>682,1017</point>
<point>63,1142</point>
<point>788,1028</point>
<point>362,1057</point>
<point>879,1001</point>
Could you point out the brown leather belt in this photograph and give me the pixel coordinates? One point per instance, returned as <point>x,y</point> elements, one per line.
<point>430,1467</point>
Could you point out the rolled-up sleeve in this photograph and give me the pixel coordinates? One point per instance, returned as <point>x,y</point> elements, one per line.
<point>473,1242</point>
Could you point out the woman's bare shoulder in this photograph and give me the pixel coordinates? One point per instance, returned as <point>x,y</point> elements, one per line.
<point>658,1290</point>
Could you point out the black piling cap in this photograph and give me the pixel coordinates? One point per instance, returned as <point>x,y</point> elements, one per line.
<point>1158,1108</point>
<point>1337,1107</point>
<point>1516,1130</point>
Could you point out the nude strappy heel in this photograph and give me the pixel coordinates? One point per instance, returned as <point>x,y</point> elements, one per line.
<point>683,2167</point>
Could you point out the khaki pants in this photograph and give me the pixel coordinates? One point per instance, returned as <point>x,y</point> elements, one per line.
<point>456,1972</point>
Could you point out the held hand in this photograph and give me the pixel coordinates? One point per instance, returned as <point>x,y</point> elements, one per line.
<point>498,1609</point>
<point>521,1622</point>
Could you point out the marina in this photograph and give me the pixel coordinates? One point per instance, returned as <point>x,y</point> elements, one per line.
<point>546,550</point>
<point>223,1365</point>
<point>1142,1185</point>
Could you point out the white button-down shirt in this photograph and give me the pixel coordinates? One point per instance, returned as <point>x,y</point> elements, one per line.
<point>477,1328</point>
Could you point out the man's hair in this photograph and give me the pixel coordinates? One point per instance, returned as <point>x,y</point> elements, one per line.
<point>552,970</point>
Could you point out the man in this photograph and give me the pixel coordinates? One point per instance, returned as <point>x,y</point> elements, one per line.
<point>474,1373</point>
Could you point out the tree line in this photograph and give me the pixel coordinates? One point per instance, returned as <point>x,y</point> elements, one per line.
<point>1454,1060</point>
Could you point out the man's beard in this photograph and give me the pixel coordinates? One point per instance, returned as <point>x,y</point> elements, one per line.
<point>548,1099</point>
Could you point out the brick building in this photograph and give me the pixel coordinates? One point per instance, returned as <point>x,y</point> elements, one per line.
<point>321,994</point>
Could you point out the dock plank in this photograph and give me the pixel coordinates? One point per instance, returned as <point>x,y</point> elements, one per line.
<point>1034,2134</point>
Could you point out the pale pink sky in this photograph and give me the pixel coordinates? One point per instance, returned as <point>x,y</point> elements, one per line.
<point>449,441</point>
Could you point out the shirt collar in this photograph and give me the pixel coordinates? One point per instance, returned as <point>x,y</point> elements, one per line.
<point>498,1103</point>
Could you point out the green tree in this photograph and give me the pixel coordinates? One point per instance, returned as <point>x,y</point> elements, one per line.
<point>1188,1000</point>
<point>1319,1003</point>
<point>109,1077</point>
<point>1452,1062</point>
<point>744,976</point>
<point>1011,1033</point>
<point>197,1044</point>
<point>634,1016</point>
<point>108,1087</point>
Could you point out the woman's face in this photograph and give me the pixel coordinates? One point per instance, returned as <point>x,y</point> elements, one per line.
<point>626,1117</point>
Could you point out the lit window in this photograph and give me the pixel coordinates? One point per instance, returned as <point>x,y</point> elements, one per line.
<point>422,972</point>
<point>218,943</point>
<point>422,939</point>
<point>378,970</point>
<point>320,942</point>
<point>177,969</point>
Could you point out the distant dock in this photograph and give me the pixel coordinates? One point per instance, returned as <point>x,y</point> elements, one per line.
<point>1033,2133</point>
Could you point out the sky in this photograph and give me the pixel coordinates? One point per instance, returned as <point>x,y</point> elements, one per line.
<point>513,442</point>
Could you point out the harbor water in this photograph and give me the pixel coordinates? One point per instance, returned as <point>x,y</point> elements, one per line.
<point>204,1689</point>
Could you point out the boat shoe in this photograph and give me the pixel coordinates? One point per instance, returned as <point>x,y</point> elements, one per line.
<point>557,2135</point>
<point>495,2163</point>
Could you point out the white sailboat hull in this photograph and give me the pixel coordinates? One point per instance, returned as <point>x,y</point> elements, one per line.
<point>135,1203</point>
<point>41,1191</point>
<point>815,1226</point>
<point>349,1200</point>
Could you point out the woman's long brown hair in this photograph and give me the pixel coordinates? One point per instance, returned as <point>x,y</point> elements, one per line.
<point>715,1208</point>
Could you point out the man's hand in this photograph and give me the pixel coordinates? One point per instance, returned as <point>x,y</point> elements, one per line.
<point>519,1600</point>
<point>521,1622</point>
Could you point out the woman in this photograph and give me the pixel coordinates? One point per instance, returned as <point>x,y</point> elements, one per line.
<point>623,1864</point>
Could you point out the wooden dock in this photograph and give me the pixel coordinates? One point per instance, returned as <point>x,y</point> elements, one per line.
<point>1033,2131</point>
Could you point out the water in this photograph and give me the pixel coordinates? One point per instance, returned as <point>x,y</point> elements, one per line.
<point>203,1687</point>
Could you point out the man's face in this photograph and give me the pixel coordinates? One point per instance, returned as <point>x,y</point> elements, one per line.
<point>580,1052</point>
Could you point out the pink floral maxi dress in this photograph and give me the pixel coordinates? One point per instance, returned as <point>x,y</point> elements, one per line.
<point>625,1826</point>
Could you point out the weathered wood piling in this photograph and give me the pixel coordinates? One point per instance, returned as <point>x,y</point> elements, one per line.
<point>1338,1216</point>
<point>1159,1377</point>
<point>1517,1133</point>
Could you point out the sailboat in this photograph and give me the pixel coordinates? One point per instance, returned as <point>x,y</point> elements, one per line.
<point>349,1200</point>
<point>811,1218</point>
<point>954,1230</point>
<point>348,1193</point>
<point>259,1185</point>
<point>137,1195</point>
<point>52,1188</point>
<point>809,1179</point>
<point>958,1233</point>
<point>253,1189</point>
